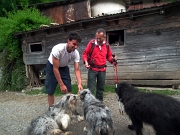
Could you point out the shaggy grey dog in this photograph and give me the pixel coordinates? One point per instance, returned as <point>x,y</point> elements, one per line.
<point>97,115</point>
<point>57,118</point>
<point>162,112</point>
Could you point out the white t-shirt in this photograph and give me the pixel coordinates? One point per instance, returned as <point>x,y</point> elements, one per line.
<point>59,51</point>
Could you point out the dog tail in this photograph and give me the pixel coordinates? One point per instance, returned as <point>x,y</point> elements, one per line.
<point>103,130</point>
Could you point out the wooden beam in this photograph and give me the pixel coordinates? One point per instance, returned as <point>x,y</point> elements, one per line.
<point>63,29</point>
<point>81,25</point>
<point>148,82</point>
<point>104,21</point>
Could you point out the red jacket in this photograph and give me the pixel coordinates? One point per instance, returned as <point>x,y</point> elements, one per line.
<point>98,56</point>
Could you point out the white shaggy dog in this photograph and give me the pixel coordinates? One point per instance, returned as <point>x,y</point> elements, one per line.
<point>57,118</point>
<point>97,115</point>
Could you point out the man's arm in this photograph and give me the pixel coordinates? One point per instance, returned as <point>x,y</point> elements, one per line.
<point>63,88</point>
<point>109,54</point>
<point>78,75</point>
<point>86,53</point>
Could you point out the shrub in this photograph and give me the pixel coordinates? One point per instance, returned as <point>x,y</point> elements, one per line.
<point>12,66</point>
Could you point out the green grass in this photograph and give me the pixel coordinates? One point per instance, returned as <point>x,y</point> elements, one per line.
<point>108,88</point>
<point>163,92</point>
<point>57,91</point>
<point>35,92</point>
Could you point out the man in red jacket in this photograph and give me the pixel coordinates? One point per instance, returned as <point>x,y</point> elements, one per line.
<point>94,58</point>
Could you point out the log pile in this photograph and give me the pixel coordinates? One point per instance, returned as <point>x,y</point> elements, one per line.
<point>34,81</point>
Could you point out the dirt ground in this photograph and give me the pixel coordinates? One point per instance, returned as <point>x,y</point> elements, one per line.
<point>17,111</point>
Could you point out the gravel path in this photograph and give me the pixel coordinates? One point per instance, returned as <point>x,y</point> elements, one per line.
<point>17,111</point>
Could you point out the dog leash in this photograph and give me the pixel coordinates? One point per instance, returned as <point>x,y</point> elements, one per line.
<point>116,80</point>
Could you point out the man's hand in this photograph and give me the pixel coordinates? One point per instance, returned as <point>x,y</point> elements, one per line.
<point>63,89</point>
<point>114,59</point>
<point>80,88</point>
<point>86,65</point>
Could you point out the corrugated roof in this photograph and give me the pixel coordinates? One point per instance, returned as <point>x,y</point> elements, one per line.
<point>145,6</point>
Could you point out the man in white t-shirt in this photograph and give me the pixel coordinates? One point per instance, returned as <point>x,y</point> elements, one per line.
<point>57,70</point>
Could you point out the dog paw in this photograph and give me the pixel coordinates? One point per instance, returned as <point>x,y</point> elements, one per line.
<point>85,129</point>
<point>80,118</point>
<point>57,132</point>
<point>121,112</point>
<point>68,133</point>
<point>65,121</point>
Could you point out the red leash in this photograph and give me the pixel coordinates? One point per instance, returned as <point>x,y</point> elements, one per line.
<point>116,80</point>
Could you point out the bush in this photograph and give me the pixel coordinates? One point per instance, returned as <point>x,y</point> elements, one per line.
<point>12,66</point>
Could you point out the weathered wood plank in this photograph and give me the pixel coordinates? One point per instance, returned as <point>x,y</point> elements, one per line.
<point>35,59</point>
<point>141,75</point>
<point>148,82</point>
<point>136,81</point>
<point>146,75</point>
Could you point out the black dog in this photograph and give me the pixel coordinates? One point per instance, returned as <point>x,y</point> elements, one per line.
<point>162,112</point>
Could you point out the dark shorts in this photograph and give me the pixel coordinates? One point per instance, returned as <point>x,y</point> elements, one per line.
<point>51,81</point>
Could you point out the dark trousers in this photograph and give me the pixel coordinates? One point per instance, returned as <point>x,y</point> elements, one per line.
<point>100,77</point>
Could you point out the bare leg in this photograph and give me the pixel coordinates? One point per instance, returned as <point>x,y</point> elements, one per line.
<point>50,100</point>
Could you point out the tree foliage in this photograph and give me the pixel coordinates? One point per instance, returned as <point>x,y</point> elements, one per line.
<point>29,2</point>
<point>13,69</point>
<point>6,6</point>
<point>18,21</point>
<point>11,5</point>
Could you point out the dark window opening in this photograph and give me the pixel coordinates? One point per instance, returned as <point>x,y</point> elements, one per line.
<point>115,38</point>
<point>35,47</point>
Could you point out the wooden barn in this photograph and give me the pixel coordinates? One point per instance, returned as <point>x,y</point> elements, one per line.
<point>145,37</point>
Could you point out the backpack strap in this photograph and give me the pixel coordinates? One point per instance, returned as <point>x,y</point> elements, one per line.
<point>92,48</point>
<point>107,47</point>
